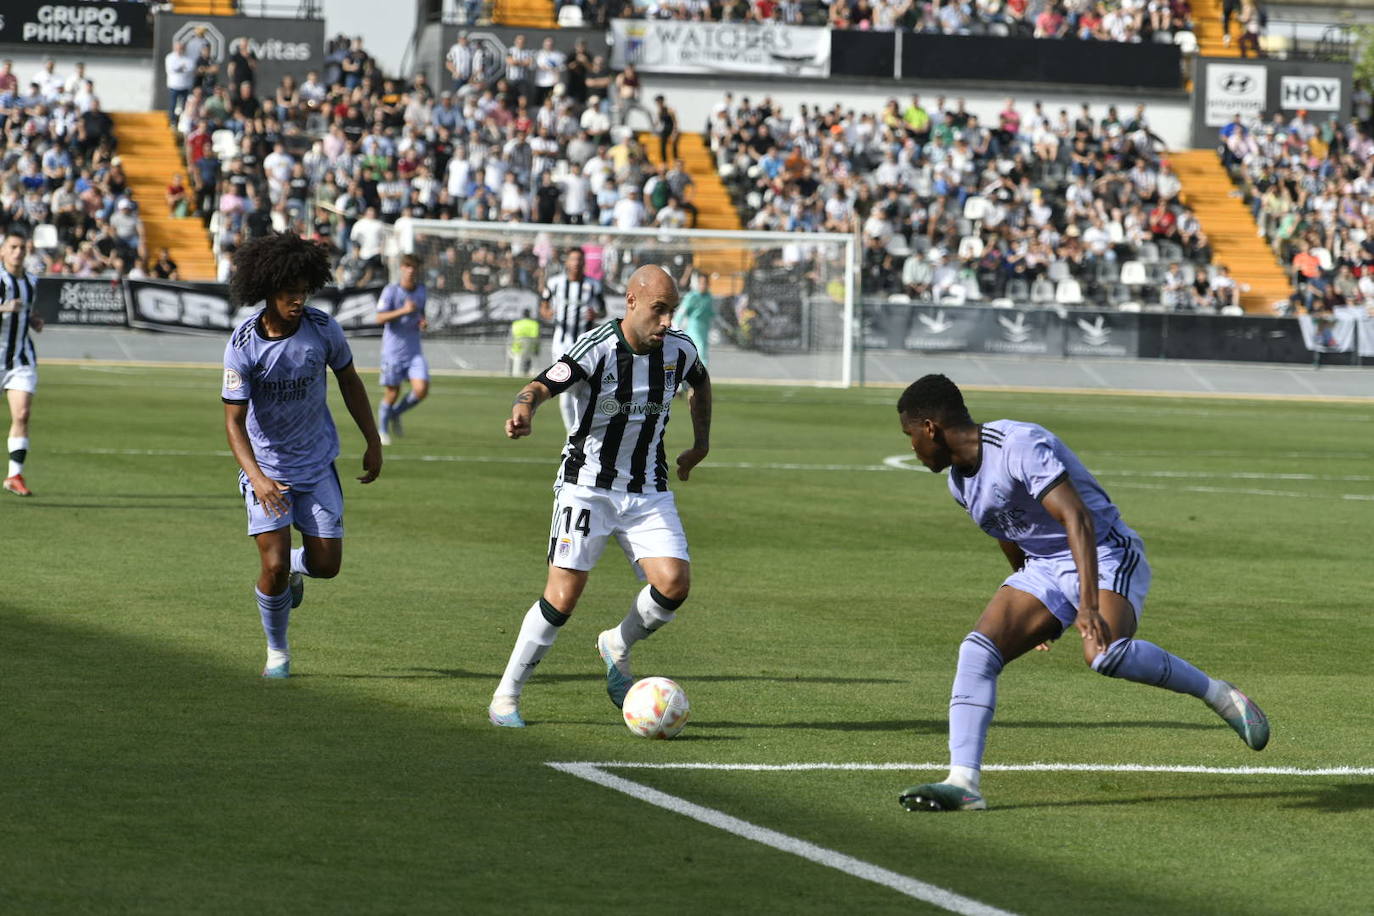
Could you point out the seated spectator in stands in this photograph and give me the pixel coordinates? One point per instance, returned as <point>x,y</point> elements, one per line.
<point>1307,272</point>
<point>164,268</point>
<point>1174,292</point>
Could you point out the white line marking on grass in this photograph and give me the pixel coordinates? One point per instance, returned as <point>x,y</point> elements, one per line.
<point>911,887</point>
<point>1000,767</point>
<point>891,463</point>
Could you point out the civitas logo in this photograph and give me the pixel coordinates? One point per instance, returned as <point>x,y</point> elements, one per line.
<point>1095,333</point>
<point>1237,83</point>
<point>1014,329</point>
<point>270,49</point>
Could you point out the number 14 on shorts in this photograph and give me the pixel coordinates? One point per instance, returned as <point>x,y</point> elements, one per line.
<point>560,544</point>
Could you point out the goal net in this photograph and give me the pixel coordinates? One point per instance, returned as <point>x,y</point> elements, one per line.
<point>784,302</point>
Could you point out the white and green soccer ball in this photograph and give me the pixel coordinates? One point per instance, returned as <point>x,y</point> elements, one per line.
<point>656,707</point>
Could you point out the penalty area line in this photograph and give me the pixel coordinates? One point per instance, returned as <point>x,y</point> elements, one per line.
<point>858,868</point>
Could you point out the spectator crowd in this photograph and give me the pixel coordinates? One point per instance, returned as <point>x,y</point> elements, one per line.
<point>341,155</point>
<point>62,182</point>
<point>1310,185</point>
<point>1037,206</point>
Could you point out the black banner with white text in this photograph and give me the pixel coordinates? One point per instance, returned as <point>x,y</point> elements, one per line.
<point>93,24</point>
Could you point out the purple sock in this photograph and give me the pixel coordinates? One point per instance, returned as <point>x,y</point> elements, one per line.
<point>972,700</point>
<point>407,402</point>
<point>275,611</point>
<point>1146,663</point>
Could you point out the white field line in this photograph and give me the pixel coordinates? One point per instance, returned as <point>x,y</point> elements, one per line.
<point>999,767</point>
<point>858,868</point>
<point>891,463</point>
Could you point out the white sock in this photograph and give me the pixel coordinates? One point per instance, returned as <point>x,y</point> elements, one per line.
<point>963,777</point>
<point>17,444</point>
<point>1215,691</point>
<point>537,634</point>
<point>275,658</point>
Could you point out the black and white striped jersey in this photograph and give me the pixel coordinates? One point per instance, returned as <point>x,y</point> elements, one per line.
<point>570,300</point>
<point>622,401</point>
<point>15,342</point>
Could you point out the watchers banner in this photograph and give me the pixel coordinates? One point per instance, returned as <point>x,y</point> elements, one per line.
<point>676,46</point>
<point>204,308</point>
<point>283,47</point>
<point>95,24</point>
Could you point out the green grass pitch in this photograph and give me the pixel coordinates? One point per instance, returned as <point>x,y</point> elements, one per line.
<point>148,769</point>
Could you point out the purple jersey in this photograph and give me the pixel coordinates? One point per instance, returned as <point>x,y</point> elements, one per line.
<point>1018,464</point>
<point>401,336</point>
<point>283,382</point>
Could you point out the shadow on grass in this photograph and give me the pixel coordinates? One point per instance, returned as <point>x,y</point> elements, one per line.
<point>1336,798</point>
<point>495,676</point>
<point>940,725</point>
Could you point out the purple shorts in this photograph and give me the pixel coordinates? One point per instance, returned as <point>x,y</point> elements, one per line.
<point>396,371</point>
<point>1121,568</point>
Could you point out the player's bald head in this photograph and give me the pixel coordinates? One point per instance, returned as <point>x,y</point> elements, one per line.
<point>652,283</point>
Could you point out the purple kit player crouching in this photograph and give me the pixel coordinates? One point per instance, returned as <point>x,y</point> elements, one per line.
<point>401,313</point>
<point>1075,563</point>
<point>280,429</point>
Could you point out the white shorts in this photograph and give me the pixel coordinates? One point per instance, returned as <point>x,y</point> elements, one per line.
<point>585,518</point>
<point>1121,568</point>
<point>315,508</point>
<point>21,378</point>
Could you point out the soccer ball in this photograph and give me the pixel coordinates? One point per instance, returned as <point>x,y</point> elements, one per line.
<point>656,707</point>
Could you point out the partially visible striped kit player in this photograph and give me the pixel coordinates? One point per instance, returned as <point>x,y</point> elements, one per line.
<point>573,303</point>
<point>619,380</point>
<point>19,368</point>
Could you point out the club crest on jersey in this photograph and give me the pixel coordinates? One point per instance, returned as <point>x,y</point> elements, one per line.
<point>669,378</point>
<point>232,380</point>
<point>564,546</point>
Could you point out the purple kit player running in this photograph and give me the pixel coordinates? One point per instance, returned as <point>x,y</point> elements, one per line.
<point>401,313</point>
<point>1075,563</point>
<point>280,429</point>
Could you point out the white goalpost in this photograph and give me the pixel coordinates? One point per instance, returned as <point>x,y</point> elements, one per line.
<point>784,302</point>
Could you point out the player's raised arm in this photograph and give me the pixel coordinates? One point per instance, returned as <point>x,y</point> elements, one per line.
<point>700,404</point>
<point>360,409</point>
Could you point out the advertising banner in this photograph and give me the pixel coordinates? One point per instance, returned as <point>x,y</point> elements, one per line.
<point>1335,334</point>
<point>96,24</point>
<point>282,46</point>
<point>1101,334</point>
<point>954,328</point>
<point>677,46</point>
<point>64,300</point>
<point>1234,89</point>
<point>204,308</point>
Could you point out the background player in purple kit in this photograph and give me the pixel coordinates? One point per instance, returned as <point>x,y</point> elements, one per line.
<point>1074,560</point>
<point>280,429</point>
<point>401,313</point>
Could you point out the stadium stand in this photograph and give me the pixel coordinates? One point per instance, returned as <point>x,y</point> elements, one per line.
<point>1043,207</point>
<point>62,179</point>
<point>1308,186</point>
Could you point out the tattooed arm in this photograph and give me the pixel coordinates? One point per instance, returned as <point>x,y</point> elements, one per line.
<point>522,411</point>
<point>700,403</point>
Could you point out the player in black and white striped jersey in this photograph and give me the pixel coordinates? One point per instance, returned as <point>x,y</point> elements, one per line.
<point>573,302</point>
<point>613,482</point>
<point>19,368</point>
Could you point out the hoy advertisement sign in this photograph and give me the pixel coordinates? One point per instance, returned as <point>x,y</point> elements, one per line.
<point>1224,88</point>
<point>281,46</point>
